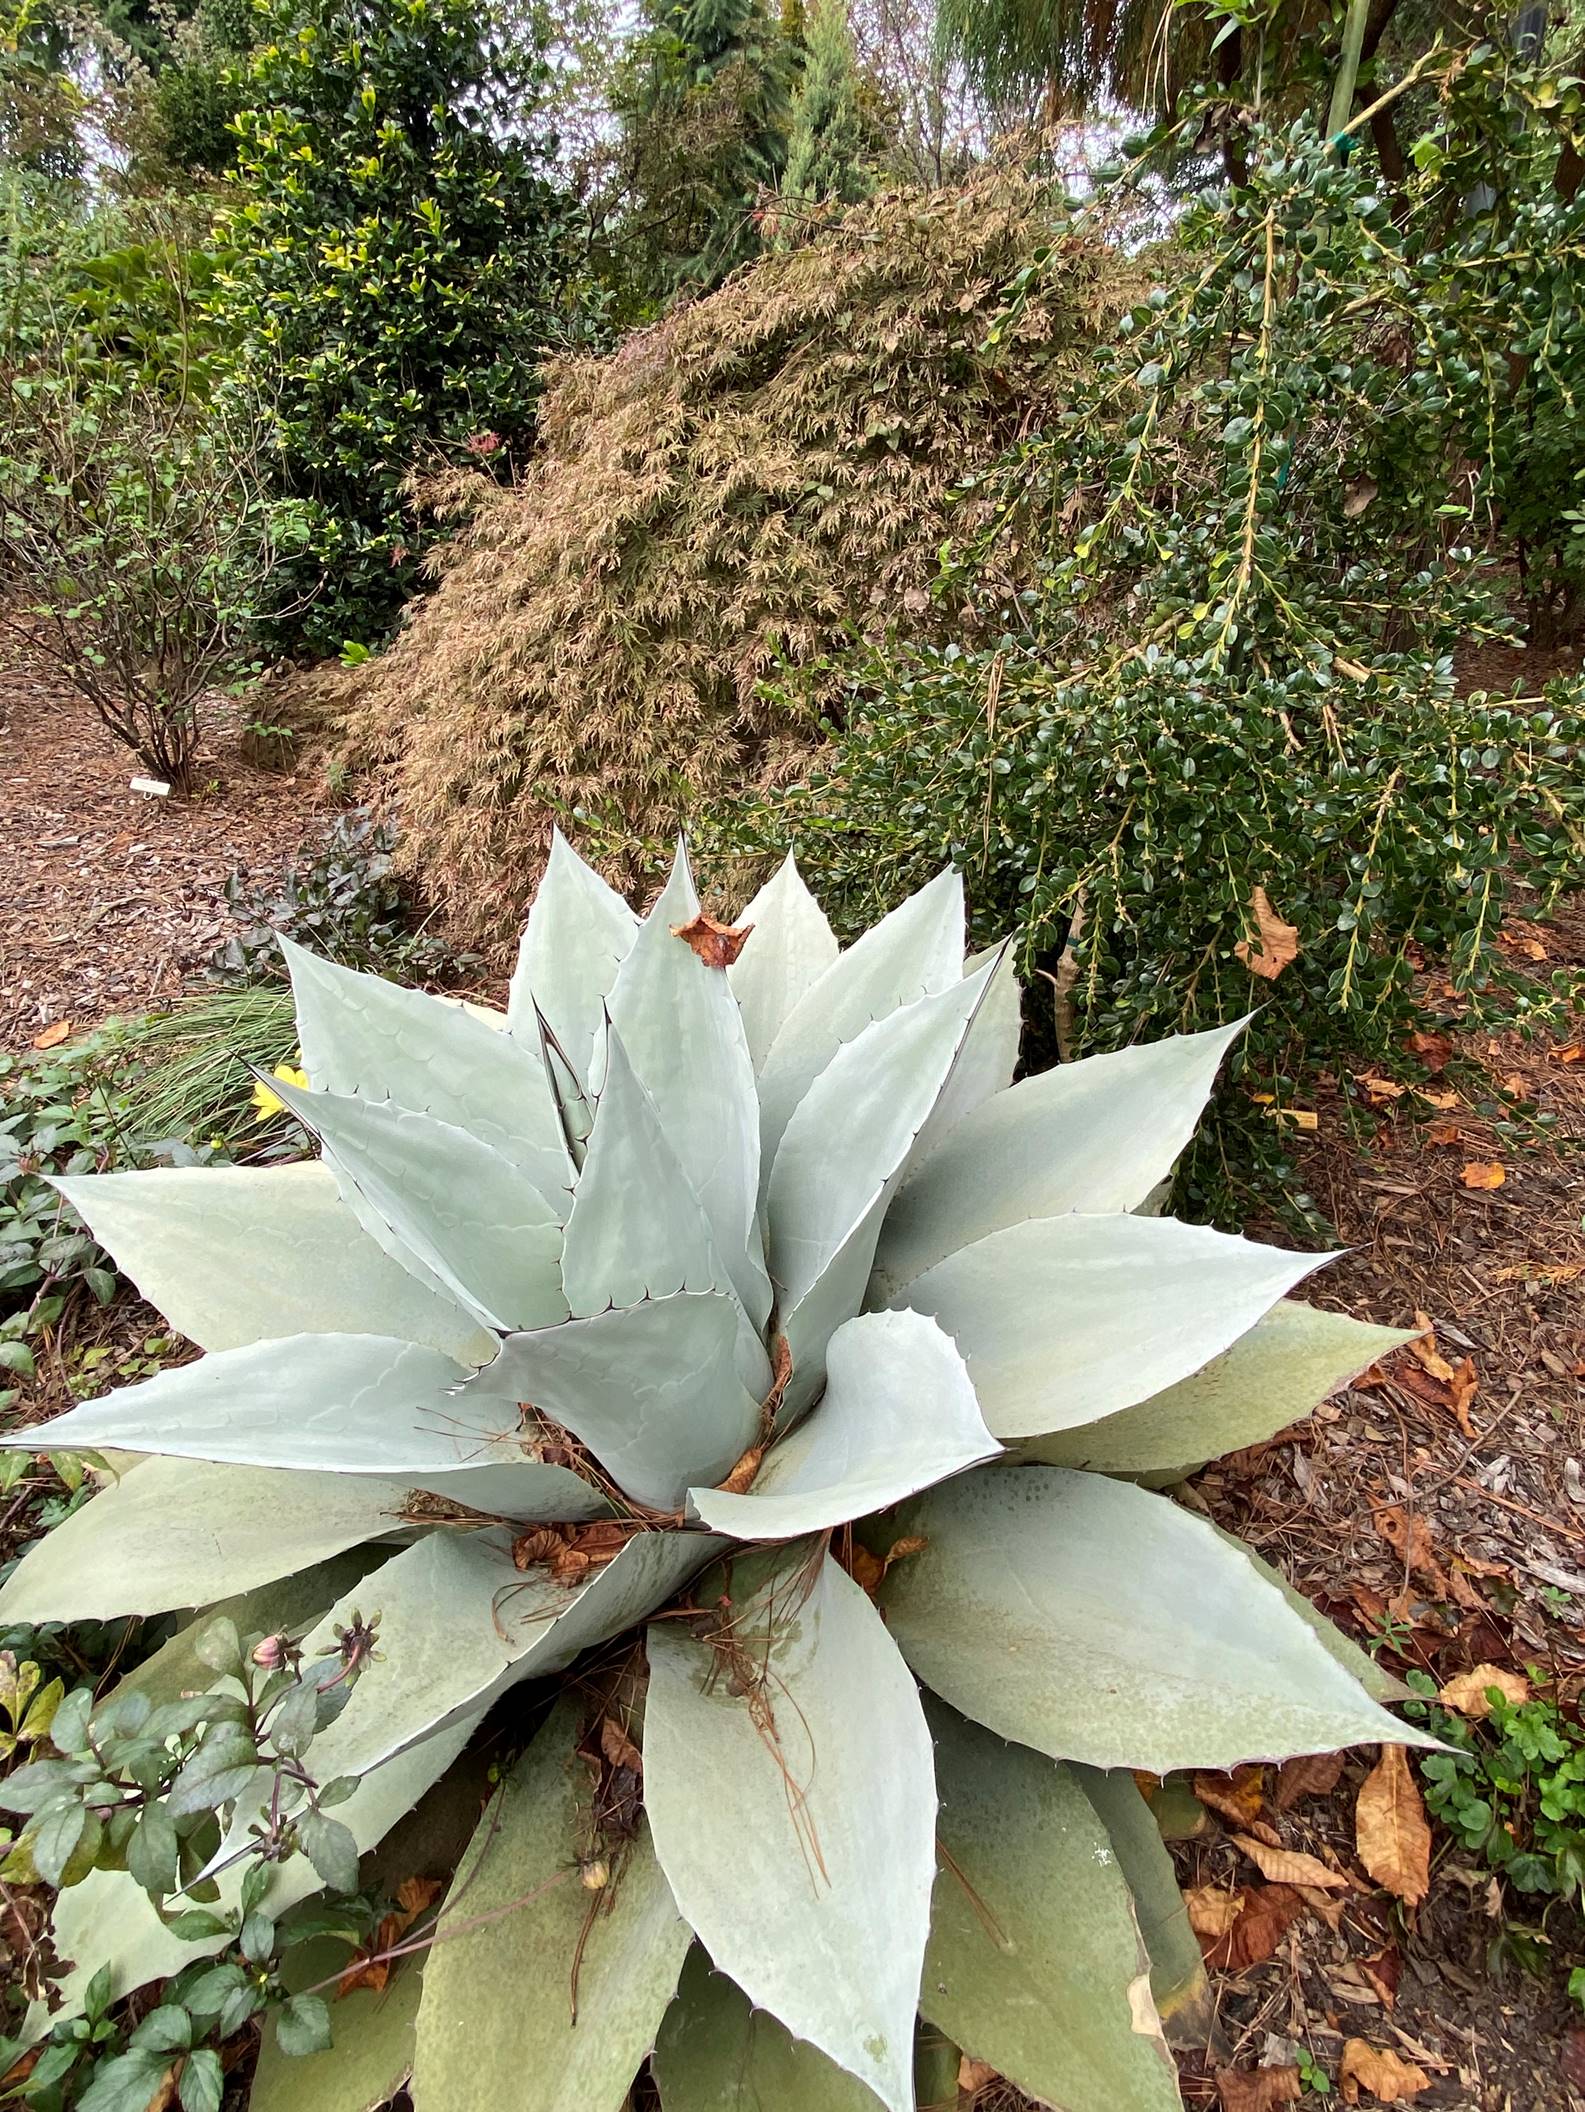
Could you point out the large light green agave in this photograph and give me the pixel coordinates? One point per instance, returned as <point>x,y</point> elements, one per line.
<point>687,1210</point>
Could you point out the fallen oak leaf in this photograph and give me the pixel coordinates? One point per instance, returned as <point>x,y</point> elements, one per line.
<point>1484,1173</point>
<point>1469,1692</point>
<point>1311,1775</point>
<point>1287,1866</point>
<point>1265,1916</point>
<point>1279,942</point>
<point>717,945</point>
<point>1256,2089</point>
<point>1237,1796</point>
<point>1386,2076</point>
<point>53,1035</point>
<point>1391,1833</point>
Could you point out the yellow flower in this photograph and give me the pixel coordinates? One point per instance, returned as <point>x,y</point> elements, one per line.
<point>266,1103</point>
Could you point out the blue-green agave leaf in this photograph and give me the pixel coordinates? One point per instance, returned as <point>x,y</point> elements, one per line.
<point>1177,1969</point>
<point>985,1064</point>
<point>1036,1964</point>
<point>1094,1136</point>
<point>1065,1320</point>
<point>718,2054</point>
<point>370,2056</point>
<point>579,932</point>
<point>540,1980</point>
<point>898,1415</point>
<point>803,1865</point>
<point>1098,1622</point>
<point>787,951</point>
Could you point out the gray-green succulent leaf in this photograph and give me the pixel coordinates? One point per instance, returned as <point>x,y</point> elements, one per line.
<point>626,1332</point>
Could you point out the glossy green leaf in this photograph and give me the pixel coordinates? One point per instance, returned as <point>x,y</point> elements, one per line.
<point>1035,1963</point>
<point>804,1867</point>
<point>180,1532</point>
<point>681,1028</point>
<point>788,950</point>
<point>848,1139</point>
<point>579,932</point>
<point>239,1254</point>
<point>653,1391</point>
<point>360,1034</point>
<point>898,1414</point>
<point>1269,1378</point>
<point>910,954</point>
<point>1097,1622</point>
<point>436,1197</point>
<point>718,2054</point>
<point>1094,1136</point>
<point>498,1995</point>
<point>1065,1320</point>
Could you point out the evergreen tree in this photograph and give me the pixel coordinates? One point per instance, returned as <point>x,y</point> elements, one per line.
<point>830,154</point>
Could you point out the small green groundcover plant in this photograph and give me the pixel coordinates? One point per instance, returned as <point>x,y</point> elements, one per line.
<point>849,1360</point>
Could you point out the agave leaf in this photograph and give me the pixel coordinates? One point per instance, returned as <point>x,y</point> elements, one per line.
<point>910,954</point>
<point>362,1035</point>
<point>1269,1378</point>
<point>349,1404</point>
<point>653,1390</point>
<point>1065,1320</point>
<point>240,1254</point>
<point>847,1140</point>
<point>681,1028</point>
<point>578,934</point>
<point>499,1626</point>
<point>987,1060</point>
<point>1380,1684</point>
<point>1094,1136</point>
<point>804,1868</point>
<point>370,2055</point>
<point>107,1922</point>
<point>1177,1969</point>
<point>808,1326</point>
<point>499,1995</point>
<point>717,2054</point>
<point>1097,1622</point>
<point>1035,1962</point>
<point>636,1230</point>
<point>789,948</point>
<point>436,1197</point>
<point>181,1532</point>
<point>899,1414</point>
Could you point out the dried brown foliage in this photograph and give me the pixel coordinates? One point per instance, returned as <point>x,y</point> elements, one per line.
<point>737,488</point>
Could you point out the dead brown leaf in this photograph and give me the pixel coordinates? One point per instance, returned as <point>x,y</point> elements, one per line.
<point>1573,1052</point>
<point>1237,1797</point>
<point>974,2075</point>
<point>1212,1912</point>
<point>717,945</point>
<point>618,1748</point>
<point>1256,2089</point>
<point>1390,1829</point>
<point>1312,1775</point>
<point>368,1968</point>
<point>1435,1051</point>
<point>1484,1173</point>
<point>1462,1390</point>
<point>1286,1866</point>
<point>1409,1534</point>
<point>1267,1913</point>
<point>1425,1352</point>
<point>1443,1133</point>
<point>1381,1090</point>
<point>1279,942</point>
<point>1387,2076</point>
<point>53,1035</point>
<point>1466,1691</point>
<point>1384,1972</point>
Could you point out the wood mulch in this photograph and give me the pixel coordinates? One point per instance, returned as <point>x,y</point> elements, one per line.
<point>1443,1513</point>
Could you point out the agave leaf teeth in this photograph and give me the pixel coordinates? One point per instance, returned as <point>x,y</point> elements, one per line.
<point>795,1821</point>
<point>985,1063</point>
<point>239,1527</point>
<point>360,1034</point>
<point>1094,1621</point>
<point>579,932</point>
<point>680,1026</point>
<point>1094,1136</point>
<point>345,1404</point>
<point>653,1390</point>
<point>1035,1963</point>
<point>240,1254</point>
<point>717,2053</point>
<point>573,1111</point>
<point>1271,1377</point>
<point>912,953</point>
<point>1065,1320</point>
<point>788,950</point>
<point>438,1200</point>
<point>898,1414</point>
<point>483,2017</point>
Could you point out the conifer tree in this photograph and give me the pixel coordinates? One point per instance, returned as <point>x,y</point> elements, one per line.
<point>830,153</point>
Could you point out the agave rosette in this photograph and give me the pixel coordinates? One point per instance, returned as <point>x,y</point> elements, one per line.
<point>795,1279</point>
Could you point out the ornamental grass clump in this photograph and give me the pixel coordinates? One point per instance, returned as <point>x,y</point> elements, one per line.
<point>848,1362</point>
